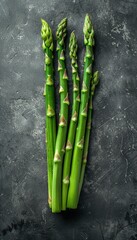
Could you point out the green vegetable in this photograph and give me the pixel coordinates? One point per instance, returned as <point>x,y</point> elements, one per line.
<point>80,134</point>
<point>88,129</point>
<point>63,121</point>
<point>47,46</point>
<point>73,122</point>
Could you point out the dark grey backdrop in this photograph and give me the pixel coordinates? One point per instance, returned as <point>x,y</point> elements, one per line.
<point>108,203</point>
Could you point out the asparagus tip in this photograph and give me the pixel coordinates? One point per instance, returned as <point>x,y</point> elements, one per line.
<point>73,46</point>
<point>46,35</point>
<point>42,21</point>
<point>61,31</point>
<point>64,20</point>
<point>96,76</point>
<point>95,81</point>
<point>88,31</point>
<point>72,34</point>
<point>44,25</point>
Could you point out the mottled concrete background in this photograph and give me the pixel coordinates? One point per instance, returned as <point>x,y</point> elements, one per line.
<point>108,204</point>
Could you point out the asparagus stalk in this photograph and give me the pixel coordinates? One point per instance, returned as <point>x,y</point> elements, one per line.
<point>47,46</point>
<point>73,122</point>
<point>88,129</point>
<point>80,134</point>
<point>63,121</point>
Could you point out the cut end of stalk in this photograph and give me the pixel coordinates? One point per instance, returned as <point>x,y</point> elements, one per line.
<point>71,204</point>
<point>56,210</point>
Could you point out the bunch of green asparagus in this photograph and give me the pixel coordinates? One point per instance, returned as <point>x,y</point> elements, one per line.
<point>67,145</point>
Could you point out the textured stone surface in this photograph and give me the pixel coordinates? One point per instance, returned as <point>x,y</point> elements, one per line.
<point>108,203</point>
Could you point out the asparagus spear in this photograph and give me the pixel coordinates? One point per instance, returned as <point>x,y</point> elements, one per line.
<point>79,141</point>
<point>63,121</point>
<point>88,129</point>
<point>73,123</point>
<point>47,46</point>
